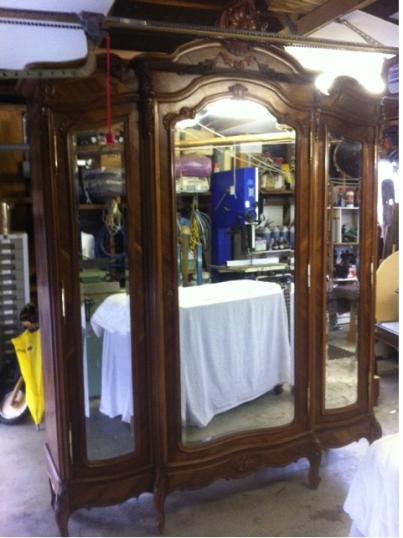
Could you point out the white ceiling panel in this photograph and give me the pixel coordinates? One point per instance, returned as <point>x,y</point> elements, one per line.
<point>66,6</point>
<point>382,31</point>
<point>24,43</point>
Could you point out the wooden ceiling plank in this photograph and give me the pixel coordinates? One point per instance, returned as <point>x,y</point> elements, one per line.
<point>299,6</point>
<point>326,13</point>
<point>283,10</point>
<point>208,5</point>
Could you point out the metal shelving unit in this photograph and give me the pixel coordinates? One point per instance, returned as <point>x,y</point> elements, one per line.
<point>14,290</point>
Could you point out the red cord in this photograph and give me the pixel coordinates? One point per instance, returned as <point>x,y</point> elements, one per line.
<point>109,134</point>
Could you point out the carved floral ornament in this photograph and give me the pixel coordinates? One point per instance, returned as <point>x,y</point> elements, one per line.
<point>238,91</point>
<point>240,15</point>
<point>243,15</point>
<point>185,113</point>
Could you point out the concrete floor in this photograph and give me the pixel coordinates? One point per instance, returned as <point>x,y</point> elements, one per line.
<point>272,502</point>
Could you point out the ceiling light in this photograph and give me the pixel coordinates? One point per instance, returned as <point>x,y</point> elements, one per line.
<point>237,109</point>
<point>365,67</point>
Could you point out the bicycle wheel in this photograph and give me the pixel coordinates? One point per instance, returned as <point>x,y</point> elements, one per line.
<point>12,409</point>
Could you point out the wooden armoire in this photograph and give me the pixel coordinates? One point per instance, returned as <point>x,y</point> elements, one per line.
<point>132,325</point>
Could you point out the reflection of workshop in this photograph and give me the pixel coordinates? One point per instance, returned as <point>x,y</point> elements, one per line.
<point>244,183</point>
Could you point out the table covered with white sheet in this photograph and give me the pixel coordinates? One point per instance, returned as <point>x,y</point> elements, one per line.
<point>234,347</point>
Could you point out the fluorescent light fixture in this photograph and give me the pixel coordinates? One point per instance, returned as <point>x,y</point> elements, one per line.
<point>237,109</point>
<point>365,67</point>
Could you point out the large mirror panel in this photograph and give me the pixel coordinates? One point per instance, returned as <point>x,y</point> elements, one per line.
<point>105,303</point>
<point>235,204</point>
<point>343,269</point>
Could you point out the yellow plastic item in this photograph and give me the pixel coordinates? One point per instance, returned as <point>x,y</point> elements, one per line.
<point>28,349</point>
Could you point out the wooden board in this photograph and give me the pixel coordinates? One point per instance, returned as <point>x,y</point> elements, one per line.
<point>387,284</point>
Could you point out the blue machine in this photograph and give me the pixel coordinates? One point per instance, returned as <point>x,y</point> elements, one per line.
<point>234,198</point>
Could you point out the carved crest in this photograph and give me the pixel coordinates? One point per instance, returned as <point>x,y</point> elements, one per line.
<point>240,15</point>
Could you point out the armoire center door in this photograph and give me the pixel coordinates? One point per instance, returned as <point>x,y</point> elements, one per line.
<point>235,184</point>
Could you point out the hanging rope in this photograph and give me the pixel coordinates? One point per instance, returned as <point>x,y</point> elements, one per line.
<point>109,134</point>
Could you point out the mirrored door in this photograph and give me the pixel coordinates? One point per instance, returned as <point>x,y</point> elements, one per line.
<point>101,213</point>
<point>235,208</point>
<point>344,184</point>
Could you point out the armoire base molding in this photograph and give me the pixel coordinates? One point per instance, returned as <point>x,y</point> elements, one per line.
<point>69,496</point>
<point>243,463</point>
<point>345,432</point>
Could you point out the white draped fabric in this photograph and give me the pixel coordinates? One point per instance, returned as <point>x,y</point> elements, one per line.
<point>111,321</point>
<point>234,345</point>
<point>373,498</point>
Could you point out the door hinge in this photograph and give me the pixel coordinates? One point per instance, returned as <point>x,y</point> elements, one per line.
<point>308,275</point>
<point>372,270</point>
<point>63,301</point>
<point>55,157</point>
<point>70,443</point>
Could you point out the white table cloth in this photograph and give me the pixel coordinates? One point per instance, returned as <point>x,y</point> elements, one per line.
<point>234,346</point>
<point>373,498</point>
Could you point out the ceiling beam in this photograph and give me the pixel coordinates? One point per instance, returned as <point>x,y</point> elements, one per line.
<point>289,22</point>
<point>182,30</point>
<point>326,13</point>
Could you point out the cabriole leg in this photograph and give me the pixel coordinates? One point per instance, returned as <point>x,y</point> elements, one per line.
<point>313,475</point>
<point>62,513</point>
<point>375,430</point>
<point>159,501</point>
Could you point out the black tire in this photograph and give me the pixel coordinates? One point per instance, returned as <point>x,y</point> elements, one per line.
<point>11,414</point>
<point>278,389</point>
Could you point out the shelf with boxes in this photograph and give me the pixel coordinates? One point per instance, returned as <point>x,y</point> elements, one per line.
<point>241,185</point>
<point>344,197</point>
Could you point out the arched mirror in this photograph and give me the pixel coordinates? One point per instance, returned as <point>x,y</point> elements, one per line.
<point>343,271</point>
<point>105,306</point>
<point>235,208</point>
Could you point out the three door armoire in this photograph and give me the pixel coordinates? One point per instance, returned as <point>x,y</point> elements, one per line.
<point>205,264</point>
